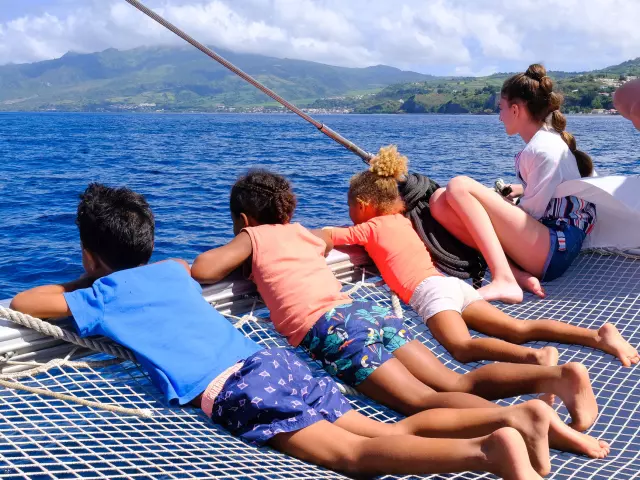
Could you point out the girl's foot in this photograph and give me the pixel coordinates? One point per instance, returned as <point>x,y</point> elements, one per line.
<point>507,457</point>
<point>612,342</point>
<point>528,282</point>
<point>547,356</point>
<point>532,419</point>
<point>562,437</point>
<point>574,389</point>
<point>502,290</point>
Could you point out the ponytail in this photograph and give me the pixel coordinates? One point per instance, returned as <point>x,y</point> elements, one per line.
<point>559,123</point>
<point>535,89</point>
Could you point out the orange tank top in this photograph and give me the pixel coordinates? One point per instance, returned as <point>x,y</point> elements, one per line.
<point>396,249</point>
<point>293,278</point>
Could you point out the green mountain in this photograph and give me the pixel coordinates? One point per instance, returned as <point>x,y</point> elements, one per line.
<point>583,92</point>
<point>179,79</point>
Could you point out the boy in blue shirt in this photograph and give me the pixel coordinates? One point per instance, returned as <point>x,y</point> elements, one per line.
<point>194,355</point>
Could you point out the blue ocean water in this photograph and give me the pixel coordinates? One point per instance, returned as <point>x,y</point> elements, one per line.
<point>185,165</point>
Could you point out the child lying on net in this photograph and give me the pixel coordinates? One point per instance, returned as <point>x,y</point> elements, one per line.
<point>448,305</point>
<point>362,343</point>
<point>264,396</point>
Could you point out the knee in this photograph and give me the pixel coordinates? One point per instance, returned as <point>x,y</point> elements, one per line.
<point>462,351</point>
<point>438,204</point>
<point>459,185</point>
<point>518,333</point>
<point>349,458</point>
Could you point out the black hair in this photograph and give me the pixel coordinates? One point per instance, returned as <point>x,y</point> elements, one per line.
<point>264,196</point>
<point>116,225</point>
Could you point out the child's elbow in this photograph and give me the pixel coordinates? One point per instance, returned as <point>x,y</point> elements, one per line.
<point>19,303</point>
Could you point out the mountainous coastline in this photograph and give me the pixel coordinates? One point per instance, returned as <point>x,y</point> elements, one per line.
<point>184,80</point>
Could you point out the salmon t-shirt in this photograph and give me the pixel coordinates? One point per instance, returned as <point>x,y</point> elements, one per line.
<point>293,278</point>
<point>396,249</point>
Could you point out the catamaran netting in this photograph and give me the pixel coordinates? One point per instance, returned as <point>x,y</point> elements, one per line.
<point>43,437</point>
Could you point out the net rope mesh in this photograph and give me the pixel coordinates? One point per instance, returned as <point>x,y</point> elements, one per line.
<point>44,438</point>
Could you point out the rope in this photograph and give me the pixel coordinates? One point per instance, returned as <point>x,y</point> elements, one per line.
<point>450,255</point>
<point>46,328</point>
<point>364,155</point>
<point>145,413</point>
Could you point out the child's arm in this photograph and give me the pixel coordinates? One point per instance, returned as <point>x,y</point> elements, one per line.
<point>360,234</point>
<point>48,301</point>
<point>324,234</point>
<point>217,263</point>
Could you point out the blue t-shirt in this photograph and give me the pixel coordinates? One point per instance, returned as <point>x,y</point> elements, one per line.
<point>158,312</point>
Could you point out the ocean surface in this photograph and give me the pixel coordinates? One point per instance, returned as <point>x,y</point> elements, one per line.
<point>186,164</point>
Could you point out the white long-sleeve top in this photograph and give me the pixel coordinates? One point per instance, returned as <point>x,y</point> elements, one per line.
<point>542,166</point>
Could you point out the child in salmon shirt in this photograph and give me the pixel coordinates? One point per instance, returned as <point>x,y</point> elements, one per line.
<point>447,304</point>
<point>364,344</point>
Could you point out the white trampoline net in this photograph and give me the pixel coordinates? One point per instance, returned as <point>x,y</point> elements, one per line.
<point>45,438</point>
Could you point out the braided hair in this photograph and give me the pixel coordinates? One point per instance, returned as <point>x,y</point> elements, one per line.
<point>535,89</point>
<point>264,196</point>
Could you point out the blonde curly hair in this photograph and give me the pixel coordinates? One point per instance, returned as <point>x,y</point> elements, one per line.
<point>378,186</point>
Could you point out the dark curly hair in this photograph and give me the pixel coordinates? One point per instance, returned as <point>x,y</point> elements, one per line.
<point>117,225</point>
<point>535,89</point>
<point>264,196</point>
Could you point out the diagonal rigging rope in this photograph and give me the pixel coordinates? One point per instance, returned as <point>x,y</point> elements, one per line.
<point>364,155</point>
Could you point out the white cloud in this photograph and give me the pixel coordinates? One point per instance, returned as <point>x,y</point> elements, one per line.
<point>442,36</point>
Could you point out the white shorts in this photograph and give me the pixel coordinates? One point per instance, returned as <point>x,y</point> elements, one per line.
<point>437,294</point>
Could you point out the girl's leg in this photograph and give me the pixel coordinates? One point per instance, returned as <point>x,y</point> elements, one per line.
<point>502,453</point>
<point>499,229</point>
<point>485,318</point>
<point>570,382</point>
<point>391,384</point>
<point>451,331</point>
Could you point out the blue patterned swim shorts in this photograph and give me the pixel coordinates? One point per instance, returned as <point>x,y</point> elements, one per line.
<point>353,340</point>
<point>274,392</point>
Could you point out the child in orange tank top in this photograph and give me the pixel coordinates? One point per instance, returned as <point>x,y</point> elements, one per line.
<point>448,305</point>
<point>363,343</point>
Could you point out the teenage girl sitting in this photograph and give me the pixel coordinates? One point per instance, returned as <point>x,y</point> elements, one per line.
<point>362,343</point>
<point>542,234</point>
<point>448,305</point>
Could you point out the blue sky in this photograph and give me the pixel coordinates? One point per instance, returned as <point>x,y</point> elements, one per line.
<point>465,37</point>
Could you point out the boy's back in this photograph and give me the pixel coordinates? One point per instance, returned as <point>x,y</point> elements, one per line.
<point>158,312</point>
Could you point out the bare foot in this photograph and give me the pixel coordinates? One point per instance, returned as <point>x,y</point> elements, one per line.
<point>548,398</point>
<point>527,282</point>
<point>502,290</point>
<point>574,389</point>
<point>562,437</point>
<point>547,356</point>
<point>532,419</point>
<point>612,342</point>
<point>507,456</point>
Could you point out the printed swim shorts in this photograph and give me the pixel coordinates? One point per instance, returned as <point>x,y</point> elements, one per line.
<point>353,340</point>
<point>275,392</point>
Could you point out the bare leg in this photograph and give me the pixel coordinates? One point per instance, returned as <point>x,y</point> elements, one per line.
<point>570,382</point>
<point>503,453</point>
<point>393,385</point>
<point>446,216</point>
<point>529,418</point>
<point>485,318</point>
<point>499,229</point>
<point>451,331</point>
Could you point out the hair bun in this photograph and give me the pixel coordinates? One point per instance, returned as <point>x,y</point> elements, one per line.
<point>536,72</point>
<point>389,163</point>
